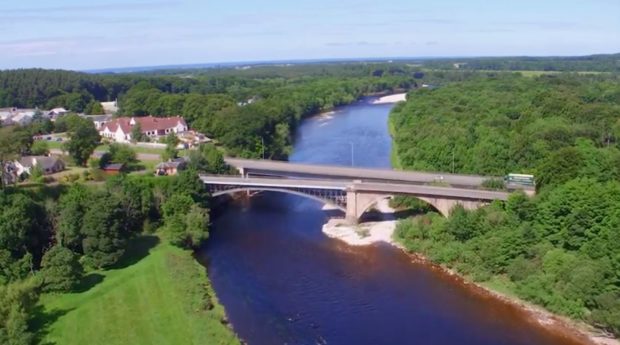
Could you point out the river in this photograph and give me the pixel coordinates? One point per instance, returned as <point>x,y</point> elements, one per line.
<point>282,281</point>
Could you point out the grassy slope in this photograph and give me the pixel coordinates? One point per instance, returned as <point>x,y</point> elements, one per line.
<point>153,301</point>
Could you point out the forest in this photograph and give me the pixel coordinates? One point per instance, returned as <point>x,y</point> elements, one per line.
<point>246,114</point>
<point>590,63</point>
<point>559,249</point>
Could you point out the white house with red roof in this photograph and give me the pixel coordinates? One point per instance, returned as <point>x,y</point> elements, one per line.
<point>120,129</point>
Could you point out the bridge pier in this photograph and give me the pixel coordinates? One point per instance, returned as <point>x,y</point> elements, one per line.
<point>359,202</point>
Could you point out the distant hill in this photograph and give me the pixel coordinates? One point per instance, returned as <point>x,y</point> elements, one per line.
<point>589,63</point>
<point>592,63</point>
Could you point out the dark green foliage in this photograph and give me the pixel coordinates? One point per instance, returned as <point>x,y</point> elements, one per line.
<point>119,153</point>
<point>72,208</point>
<point>93,108</point>
<point>171,151</point>
<point>60,269</point>
<point>208,159</point>
<point>23,235</point>
<point>502,124</point>
<point>137,135</point>
<point>493,183</point>
<point>590,63</point>
<point>104,231</point>
<point>83,139</point>
<point>40,148</point>
<point>17,303</point>
<point>560,249</point>
<point>186,224</point>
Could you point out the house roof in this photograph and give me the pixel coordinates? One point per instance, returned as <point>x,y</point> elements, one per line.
<point>147,123</point>
<point>43,161</point>
<point>172,164</point>
<point>98,118</point>
<point>114,167</point>
<point>58,111</point>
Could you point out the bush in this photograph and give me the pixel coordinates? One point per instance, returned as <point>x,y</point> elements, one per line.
<point>61,269</point>
<point>494,183</point>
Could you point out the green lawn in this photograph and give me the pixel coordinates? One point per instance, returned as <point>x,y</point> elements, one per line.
<point>137,149</point>
<point>156,300</point>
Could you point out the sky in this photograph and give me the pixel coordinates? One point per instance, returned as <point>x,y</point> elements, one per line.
<point>93,34</point>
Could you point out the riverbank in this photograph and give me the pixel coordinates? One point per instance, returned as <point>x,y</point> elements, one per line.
<point>369,233</point>
<point>394,98</point>
<point>569,328</point>
<point>160,295</point>
<point>365,233</point>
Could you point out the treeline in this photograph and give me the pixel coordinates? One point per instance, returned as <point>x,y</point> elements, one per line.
<point>29,88</point>
<point>560,249</point>
<point>589,63</point>
<point>268,114</point>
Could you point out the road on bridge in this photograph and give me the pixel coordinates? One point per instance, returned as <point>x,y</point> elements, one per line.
<point>286,169</point>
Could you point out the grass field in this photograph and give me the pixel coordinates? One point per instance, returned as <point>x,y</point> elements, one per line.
<point>137,149</point>
<point>155,298</point>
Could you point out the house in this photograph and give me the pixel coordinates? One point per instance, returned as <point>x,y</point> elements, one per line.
<point>17,116</point>
<point>48,165</point>
<point>120,129</point>
<point>98,120</point>
<point>109,107</point>
<point>113,168</point>
<point>192,138</point>
<point>56,112</point>
<point>171,167</point>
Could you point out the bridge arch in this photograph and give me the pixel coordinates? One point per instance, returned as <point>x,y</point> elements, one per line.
<point>369,203</point>
<point>280,190</point>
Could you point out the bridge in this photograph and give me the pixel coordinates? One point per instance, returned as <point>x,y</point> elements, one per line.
<point>353,190</point>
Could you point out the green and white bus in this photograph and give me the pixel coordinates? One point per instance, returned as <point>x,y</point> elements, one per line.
<point>520,179</point>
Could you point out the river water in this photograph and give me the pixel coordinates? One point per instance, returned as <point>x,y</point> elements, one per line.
<point>282,281</point>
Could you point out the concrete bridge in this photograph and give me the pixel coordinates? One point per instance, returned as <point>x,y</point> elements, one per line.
<point>354,197</point>
<point>270,168</point>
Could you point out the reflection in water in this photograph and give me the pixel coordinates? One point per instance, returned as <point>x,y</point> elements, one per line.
<point>283,282</point>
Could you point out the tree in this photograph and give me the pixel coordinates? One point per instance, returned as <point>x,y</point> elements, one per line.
<point>84,138</point>
<point>40,148</point>
<point>72,207</point>
<point>61,270</point>
<point>14,141</point>
<point>104,238</point>
<point>186,224</point>
<point>171,151</point>
<point>23,234</point>
<point>17,303</point>
<point>207,159</point>
<point>136,133</point>
<point>94,108</point>
<point>67,123</point>
<point>120,153</point>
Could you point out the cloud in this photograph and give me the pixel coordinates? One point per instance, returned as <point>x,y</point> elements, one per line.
<point>542,25</point>
<point>354,44</point>
<point>23,48</point>
<point>115,7</point>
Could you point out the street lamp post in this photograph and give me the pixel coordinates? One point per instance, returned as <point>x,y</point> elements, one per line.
<point>352,154</point>
<point>262,141</point>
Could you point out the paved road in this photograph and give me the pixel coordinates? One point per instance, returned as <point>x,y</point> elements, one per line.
<point>388,188</point>
<point>278,168</point>
<point>139,156</point>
